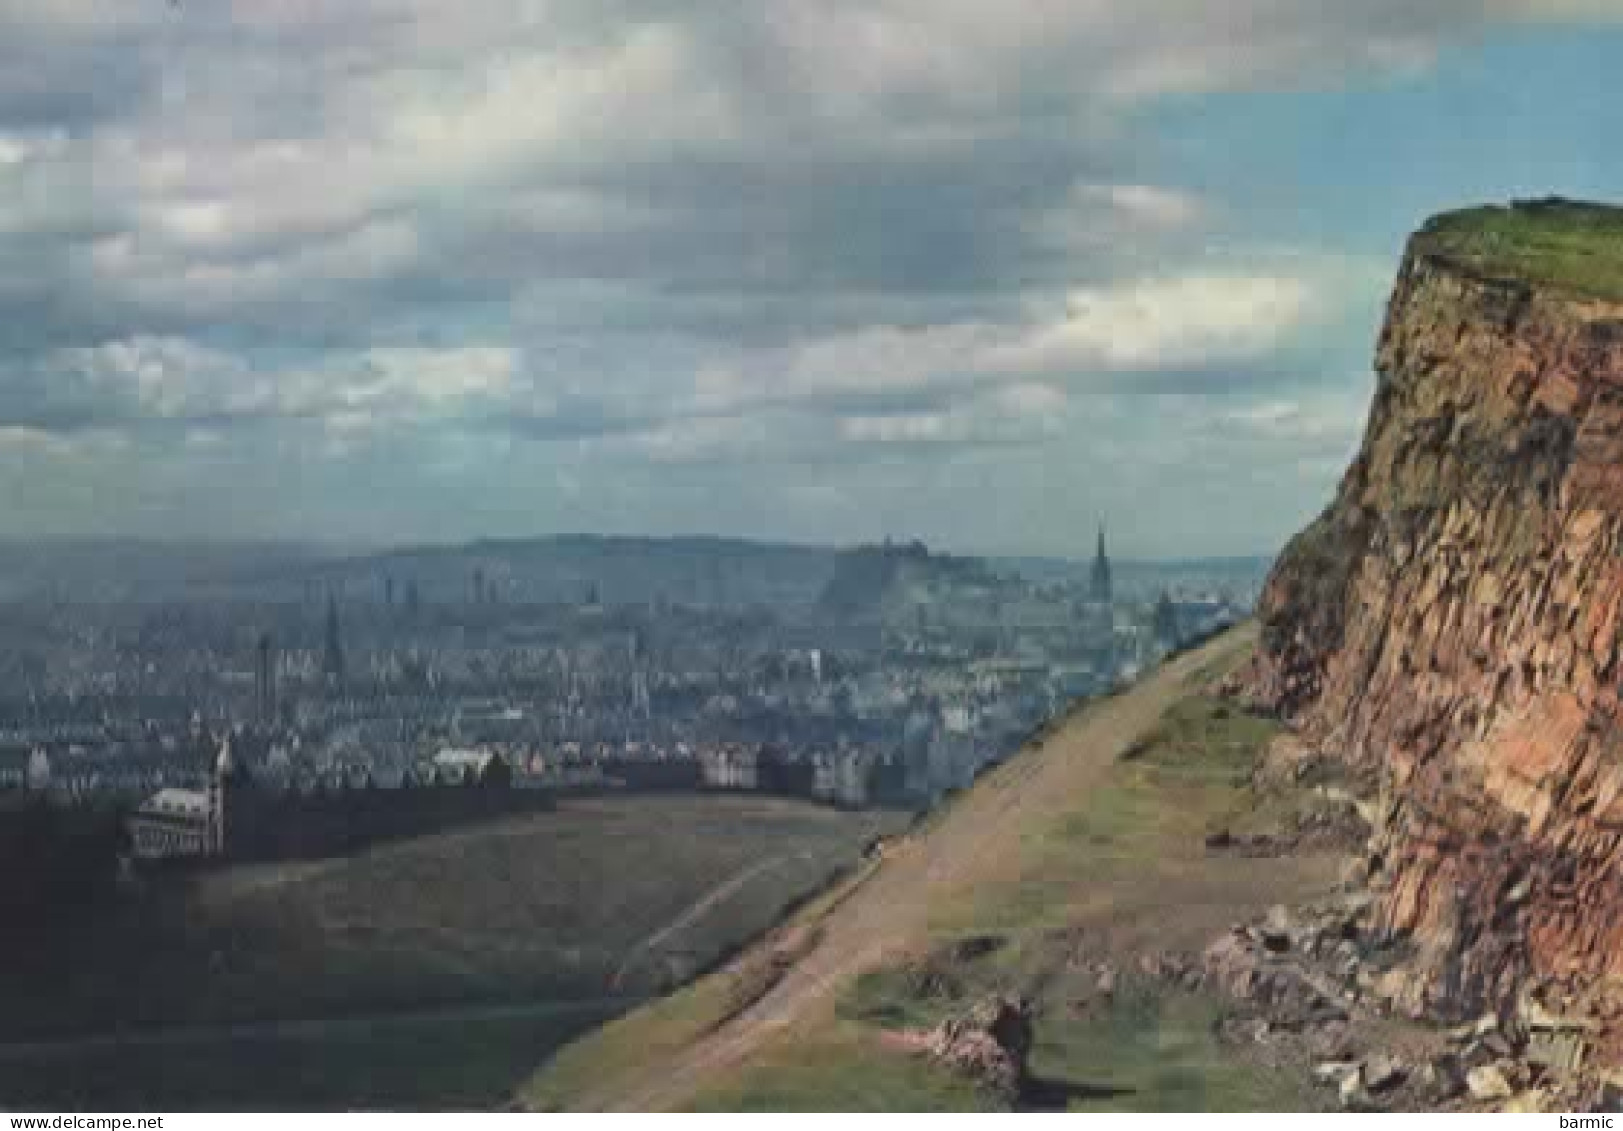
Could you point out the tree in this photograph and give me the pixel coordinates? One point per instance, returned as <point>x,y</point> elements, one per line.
<point>497,774</point>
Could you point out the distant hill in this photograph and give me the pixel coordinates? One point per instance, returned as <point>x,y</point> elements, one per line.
<point>617,570</point>
<point>562,568</point>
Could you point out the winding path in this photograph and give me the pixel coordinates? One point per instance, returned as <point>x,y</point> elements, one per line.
<point>698,910</point>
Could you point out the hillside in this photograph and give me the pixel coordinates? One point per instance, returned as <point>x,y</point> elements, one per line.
<point>430,972</point>
<point>1450,627</point>
<point>1080,875</point>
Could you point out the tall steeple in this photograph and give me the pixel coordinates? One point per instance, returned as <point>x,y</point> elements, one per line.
<point>332,661</point>
<point>265,680</point>
<point>1099,582</point>
<point>219,782</point>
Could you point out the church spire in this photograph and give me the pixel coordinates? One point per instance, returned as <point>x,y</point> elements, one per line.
<point>1099,582</point>
<point>332,662</point>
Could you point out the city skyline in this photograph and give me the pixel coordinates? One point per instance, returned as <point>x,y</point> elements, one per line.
<point>392,273</point>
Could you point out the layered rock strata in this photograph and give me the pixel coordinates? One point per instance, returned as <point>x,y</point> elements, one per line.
<point>1450,627</point>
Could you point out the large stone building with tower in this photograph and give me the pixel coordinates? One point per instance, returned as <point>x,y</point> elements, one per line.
<point>186,822</point>
<point>237,817</point>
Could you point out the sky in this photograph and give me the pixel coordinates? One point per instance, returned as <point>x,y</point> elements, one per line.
<point>980,273</point>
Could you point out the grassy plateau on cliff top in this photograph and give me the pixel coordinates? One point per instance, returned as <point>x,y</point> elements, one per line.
<point>1571,245</point>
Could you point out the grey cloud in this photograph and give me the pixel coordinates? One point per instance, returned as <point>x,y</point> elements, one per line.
<point>707,234</point>
<point>259,158</point>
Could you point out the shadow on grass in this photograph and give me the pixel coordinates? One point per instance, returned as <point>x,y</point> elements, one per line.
<point>1049,1094</point>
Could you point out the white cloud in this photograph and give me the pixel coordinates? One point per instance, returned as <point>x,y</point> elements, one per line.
<point>1101,335</point>
<point>1164,323</point>
<point>174,379</point>
<point>1093,218</point>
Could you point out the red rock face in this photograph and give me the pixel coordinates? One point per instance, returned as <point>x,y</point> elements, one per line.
<point>1450,626</point>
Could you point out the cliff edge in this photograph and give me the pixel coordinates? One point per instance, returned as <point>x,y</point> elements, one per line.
<point>1449,627</point>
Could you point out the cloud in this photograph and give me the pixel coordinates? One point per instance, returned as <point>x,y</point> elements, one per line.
<point>1169,323</point>
<point>892,147</point>
<point>1015,414</point>
<point>1092,217</point>
<point>672,235</point>
<point>174,381</point>
<point>1179,326</point>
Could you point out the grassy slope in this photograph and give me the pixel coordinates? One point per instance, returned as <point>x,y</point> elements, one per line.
<point>1568,245</point>
<point>455,1065</point>
<point>541,906</point>
<point>1066,842</point>
<point>546,906</point>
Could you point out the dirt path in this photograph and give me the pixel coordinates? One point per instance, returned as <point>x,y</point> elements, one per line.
<point>976,841</point>
<point>696,911</point>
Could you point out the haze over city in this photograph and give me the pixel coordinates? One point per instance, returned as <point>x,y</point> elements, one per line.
<point>398,271</point>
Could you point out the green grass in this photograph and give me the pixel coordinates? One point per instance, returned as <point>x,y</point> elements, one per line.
<point>407,1066</point>
<point>1186,778</point>
<point>545,906</point>
<point>1119,870</point>
<point>1127,853</point>
<point>1155,1051</point>
<point>656,1032</point>
<point>895,997</point>
<point>919,992</point>
<point>1571,245</point>
<point>841,1069</point>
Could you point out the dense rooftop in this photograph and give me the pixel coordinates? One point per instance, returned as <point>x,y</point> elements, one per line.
<point>1576,246</point>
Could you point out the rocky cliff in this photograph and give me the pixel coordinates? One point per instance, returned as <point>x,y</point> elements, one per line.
<point>1450,626</point>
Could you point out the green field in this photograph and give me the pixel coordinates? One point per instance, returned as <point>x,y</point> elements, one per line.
<point>1570,245</point>
<point>603,900</point>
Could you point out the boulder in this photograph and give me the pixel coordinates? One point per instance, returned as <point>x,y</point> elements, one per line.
<point>1335,1071</point>
<point>1487,1083</point>
<point>988,1045</point>
<point>1106,984</point>
<point>1330,1042</point>
<point>1441,1080</point>
<point>1382,1073</point>
<point>1352,1092</point>
<point>1532,1101</point>
<point>1241,965</point>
